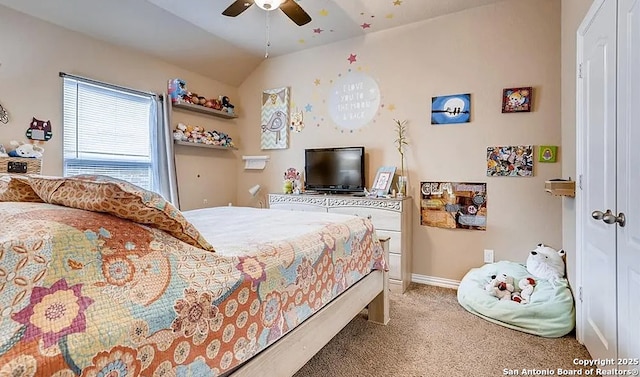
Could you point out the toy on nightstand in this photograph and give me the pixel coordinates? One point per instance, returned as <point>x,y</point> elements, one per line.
<point>292,182</point>
<point>25,150</point>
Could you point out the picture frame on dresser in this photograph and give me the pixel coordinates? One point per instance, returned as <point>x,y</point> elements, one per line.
<point>382,182</point>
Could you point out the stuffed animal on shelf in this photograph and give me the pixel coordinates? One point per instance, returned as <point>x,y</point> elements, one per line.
<point>177,89</point>
<point>526,286</point>
<point>3,152</point>
<point>500,286</point>
<point>226,104</point>
<point>25,150</point>
<point>547,263</point>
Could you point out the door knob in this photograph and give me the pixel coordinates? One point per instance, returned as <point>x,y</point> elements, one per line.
<point>610,218</point>
<point>598,215</point>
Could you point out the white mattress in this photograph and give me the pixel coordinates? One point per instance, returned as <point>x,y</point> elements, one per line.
<point>234,230</point>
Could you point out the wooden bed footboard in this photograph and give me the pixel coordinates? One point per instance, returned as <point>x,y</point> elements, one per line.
<point>286,356</point>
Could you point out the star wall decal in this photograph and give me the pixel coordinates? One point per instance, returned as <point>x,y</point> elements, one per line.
<point>324,12</point>
<point>301,41</point>
<point>397,2</point>
<point>316,82</point>
<point>365,25</point>
<point>317,31</point>
<point>390,15</point>
<point>391,107</point>
<point>352,58</point>
<point>308,108</point>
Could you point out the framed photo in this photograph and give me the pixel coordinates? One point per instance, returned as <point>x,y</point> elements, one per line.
<point>547,153</point>
<point>454,205</point>
<point>382,183</point>
<point>516,100</point>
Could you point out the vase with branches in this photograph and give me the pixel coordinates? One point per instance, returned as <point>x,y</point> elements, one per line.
<point>401,143</point>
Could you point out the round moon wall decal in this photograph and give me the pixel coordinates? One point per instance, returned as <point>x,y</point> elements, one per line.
<point>354,100</point>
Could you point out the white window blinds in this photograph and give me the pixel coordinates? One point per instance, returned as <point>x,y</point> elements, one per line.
<point>108,131</point>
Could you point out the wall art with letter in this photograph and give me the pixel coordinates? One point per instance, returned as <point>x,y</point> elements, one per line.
<point>275,119</point>
<point>451,109</point>
<point>454,205</point>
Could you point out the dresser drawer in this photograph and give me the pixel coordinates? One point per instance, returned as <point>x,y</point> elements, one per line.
<point>395,266</point>
<point>298,207</point>
<point>382,219</point>
<point>395,243</point>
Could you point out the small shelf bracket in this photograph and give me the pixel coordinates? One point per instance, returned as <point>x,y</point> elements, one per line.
<point>255,162</point>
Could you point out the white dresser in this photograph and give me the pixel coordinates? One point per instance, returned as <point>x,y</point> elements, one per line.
<point>390,217</point>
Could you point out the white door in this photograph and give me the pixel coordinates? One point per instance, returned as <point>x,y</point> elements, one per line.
<point>628,178</point>
<point>597,130</point>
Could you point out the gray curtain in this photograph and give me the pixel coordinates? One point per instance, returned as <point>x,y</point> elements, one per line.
<point>167,182</point>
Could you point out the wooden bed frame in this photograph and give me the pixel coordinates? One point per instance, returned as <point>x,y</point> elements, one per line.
<point>287,355</point>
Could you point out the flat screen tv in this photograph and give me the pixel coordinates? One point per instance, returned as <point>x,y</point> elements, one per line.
<point>335,170</point>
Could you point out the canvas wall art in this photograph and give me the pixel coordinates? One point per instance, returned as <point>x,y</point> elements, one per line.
<point>516,100</point>
<point>510,161</point>
<point>547,153</point>
<point>275,119</point>
<point>451,109</point>
<point>453,205</point>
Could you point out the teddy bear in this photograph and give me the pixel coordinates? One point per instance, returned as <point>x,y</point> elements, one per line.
<point>500,286</point>
<point>546,263</point>
<point>526,286</point>
<point>25,150</point>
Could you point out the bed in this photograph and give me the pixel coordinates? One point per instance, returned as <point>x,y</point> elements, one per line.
<point>101,278</point>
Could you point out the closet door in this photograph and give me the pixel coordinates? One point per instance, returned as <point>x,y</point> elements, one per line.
<point>628,129</point>
<point>597,166</point>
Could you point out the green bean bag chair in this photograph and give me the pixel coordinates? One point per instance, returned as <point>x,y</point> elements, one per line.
<point>550,311</point>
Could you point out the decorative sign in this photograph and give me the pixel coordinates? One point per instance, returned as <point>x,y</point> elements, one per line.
<point>275,119</point>
<point>454,205</point>
<point>354,100</point>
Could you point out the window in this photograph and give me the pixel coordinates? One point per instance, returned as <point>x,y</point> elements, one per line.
<point>109,131</point>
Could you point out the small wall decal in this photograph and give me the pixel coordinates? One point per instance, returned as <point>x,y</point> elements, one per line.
<point>451,109</point>
<point>510,161</point>
<point>516,100</point>
<point>547,153</point>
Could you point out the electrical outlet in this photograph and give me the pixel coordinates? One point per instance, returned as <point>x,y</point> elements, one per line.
<point>205,201</point>
<point>488,256</point>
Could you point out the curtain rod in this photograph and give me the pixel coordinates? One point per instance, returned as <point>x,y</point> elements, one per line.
<point>108,85</point>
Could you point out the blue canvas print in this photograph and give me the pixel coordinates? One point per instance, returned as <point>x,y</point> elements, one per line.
<point>451,109</point>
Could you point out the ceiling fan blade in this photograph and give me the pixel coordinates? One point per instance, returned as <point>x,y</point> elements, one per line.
<point>237,7</point>
<point>295,12</point>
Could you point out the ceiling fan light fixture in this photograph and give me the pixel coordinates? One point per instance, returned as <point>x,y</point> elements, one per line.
<point>269,5</point>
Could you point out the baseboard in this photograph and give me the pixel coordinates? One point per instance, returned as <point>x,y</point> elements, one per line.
<point>436,281</point>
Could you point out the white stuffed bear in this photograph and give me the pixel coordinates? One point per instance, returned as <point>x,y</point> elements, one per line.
<point>25,150</point>
<point>526,289</point>
<point>546,263</point>
<point>500,286</point>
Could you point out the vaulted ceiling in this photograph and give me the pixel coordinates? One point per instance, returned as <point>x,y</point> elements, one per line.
<point>195,35</point>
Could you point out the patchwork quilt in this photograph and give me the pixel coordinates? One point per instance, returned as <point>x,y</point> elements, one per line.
<point>85,293</point>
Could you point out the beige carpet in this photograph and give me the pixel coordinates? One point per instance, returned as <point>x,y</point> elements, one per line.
<point>430,334</point>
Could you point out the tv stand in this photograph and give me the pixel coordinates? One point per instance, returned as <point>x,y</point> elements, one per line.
<point>390,217</point>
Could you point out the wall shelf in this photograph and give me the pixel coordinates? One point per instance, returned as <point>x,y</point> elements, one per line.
<point>255,162</point>
<point>202,145</point>
<point>203,110</point>
<point>560,188</point>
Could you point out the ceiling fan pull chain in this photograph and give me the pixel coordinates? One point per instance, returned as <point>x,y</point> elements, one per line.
<point>267,41</point>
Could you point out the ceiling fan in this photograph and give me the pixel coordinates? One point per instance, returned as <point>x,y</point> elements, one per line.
<point>289,7</point>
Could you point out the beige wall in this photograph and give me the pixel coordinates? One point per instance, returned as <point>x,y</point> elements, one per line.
<point>573,11</point>
<point>32,53</point>
<point>479,51</point>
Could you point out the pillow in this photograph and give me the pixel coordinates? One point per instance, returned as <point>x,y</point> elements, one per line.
<point>545,262</point>
<point>119,198</point>
<point>15,188</point>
